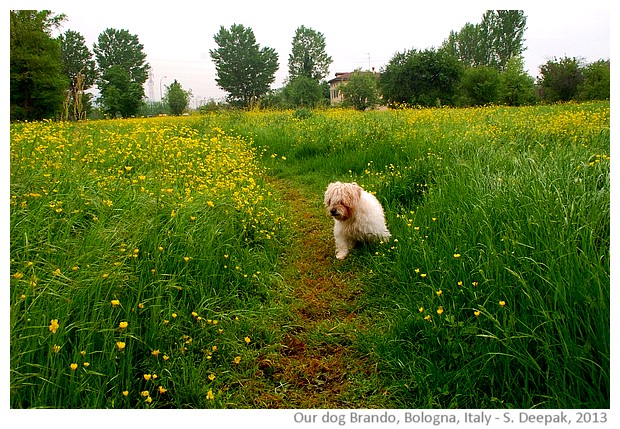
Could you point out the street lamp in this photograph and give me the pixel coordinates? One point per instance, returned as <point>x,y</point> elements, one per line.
<point>161,94</point>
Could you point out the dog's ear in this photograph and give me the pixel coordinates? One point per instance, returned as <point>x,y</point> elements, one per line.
<point>357,191</point>
<point>328,194</point>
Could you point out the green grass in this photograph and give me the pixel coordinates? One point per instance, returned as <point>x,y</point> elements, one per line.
<point>499,216</point>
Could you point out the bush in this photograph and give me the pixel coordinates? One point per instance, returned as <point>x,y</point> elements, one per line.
<point>479,86</point>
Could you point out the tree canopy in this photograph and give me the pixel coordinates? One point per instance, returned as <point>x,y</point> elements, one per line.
<point>244,69</point>
<point>37,83</point>
<point>361,91</point>
<point>492,42</point>
<point>308,57</point>
<point>177,98</point>
<point>426,78</point>
<point>80,69</point>
<point>123,70</point>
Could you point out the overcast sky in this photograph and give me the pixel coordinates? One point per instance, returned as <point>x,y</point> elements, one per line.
<point>177,35</point>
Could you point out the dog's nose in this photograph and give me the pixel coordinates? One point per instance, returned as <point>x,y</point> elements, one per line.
<point>333,212</point>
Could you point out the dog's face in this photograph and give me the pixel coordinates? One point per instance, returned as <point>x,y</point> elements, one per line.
<point>341,199</point>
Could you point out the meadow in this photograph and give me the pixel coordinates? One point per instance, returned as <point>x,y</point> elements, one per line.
<point>147,256</point>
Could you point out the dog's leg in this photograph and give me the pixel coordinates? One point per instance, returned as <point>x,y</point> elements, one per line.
<point>342,246</point>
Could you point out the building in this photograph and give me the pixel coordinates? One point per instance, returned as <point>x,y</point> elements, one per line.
<point>335,95</point>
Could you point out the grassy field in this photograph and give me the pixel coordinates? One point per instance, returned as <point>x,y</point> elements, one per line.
<point>187,262</point>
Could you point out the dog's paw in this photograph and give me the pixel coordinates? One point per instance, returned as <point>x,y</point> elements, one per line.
<point>341,255</point>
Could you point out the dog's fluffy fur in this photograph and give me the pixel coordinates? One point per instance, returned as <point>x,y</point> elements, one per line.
<point>358,216</point>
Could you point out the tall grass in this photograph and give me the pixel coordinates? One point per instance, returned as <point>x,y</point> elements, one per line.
<point>146,244</point>
<point>494,291</point>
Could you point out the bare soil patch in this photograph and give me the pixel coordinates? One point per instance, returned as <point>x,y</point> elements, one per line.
<point>317,364</point>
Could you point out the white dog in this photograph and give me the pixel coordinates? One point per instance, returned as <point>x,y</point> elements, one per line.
<point>358,216</point>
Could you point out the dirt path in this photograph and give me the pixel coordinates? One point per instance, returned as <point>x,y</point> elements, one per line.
<point>318,365</point>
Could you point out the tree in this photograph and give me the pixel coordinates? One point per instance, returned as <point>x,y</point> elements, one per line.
<point>308,57</point>
<point>303,91</point>
<point>426,78</point>
<point>516,87</point>
<point>120,96</point>
<point>244,70</point>
<point>596,81</point>
<point>492,42</point>
<point>480,85</point>
<point>361,91</point>
<point>560,79</point>
<point>176,98</point>
<point>37,84</point>
<point>118,50</point>
<point>80,69</point>
<point>471,45</point>
<point>508,29</point>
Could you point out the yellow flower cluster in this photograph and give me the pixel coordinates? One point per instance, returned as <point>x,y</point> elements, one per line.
<point>169,161</point>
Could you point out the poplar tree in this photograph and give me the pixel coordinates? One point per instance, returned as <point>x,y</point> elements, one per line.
<point>308,57</point>
<point>244,69</point>
<point>122,72</point>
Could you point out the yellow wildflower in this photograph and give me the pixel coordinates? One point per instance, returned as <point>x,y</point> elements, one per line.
<point>247,340</point>
<point>440,311</point>
<point>237,359</point>
<point>502,303</point>
<point>120,345</point>
<point>155,353</point>
<point>210,396</point>
<point>123,325</point>
<point>54,326</point>
<point>476,313</point>
<point>73,366</point>
<point>115,303</point>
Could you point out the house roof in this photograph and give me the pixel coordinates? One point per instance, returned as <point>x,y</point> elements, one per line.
<point>340,77</point>
<point>344,76</point>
